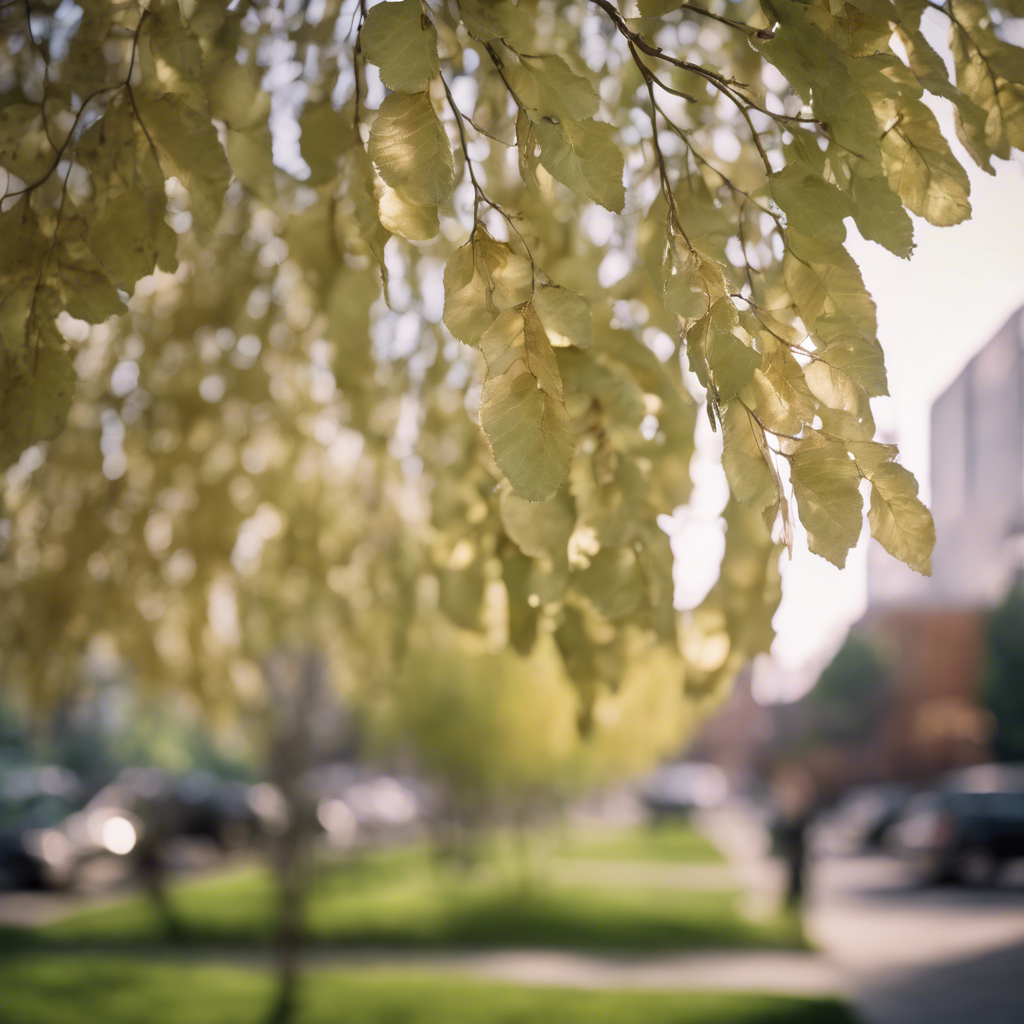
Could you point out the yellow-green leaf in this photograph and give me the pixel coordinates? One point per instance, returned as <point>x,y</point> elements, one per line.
<point>583,156</point>
<point>410,147</point>
<point>812,206</point>
<point>522,411</point>
<point>35,399</point>
<point>828,290</point>
<point>928,178</point>
<point>751,478</point>
<point>566,317</point>
<point>899,520</point>
<point>481,279</point>
<point>880,216</point>
<point>548,87</point>
<point>683,283</point>
<point>399,215</point>
<point>718,355</point>
<point>826,486</point>
<point>400,40</point>
<point>845,408</point>
<point>188,149</point>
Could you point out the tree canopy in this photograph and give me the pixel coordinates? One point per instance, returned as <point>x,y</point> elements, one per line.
<point>314,314</point>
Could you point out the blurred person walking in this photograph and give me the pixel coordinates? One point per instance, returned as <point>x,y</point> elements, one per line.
<point>794,798</point>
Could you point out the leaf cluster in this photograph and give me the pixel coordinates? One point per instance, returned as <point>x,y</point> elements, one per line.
<point>631,209</point>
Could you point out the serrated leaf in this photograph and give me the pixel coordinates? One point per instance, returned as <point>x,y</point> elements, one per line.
<point>566,317</point>
<point>989,71</point>
<point>812,206</point>
<point>540,529</point>
<point>718,355</point>
<point>549,88</point>
<point>488,20</point>
<point>35,400</point>
<point>928,178</point>
<point>361,183</point>
<point>751,478</point>
<point>583,156</point>
<point>171,57</point>
<point>824,76</point>
<point>188,149</point>
<point>125,235</point>
<point>326,134</point>
<point>77,276</point>
<point>869,455</point>
<point>826,486</point>
<point>402,42</point>
<point>683,284</point>
<point>845,408</point>
<point>778,394</point>
<point>410,147</point>
<point>827,288</point>
<point>522,411</point>
<point>899,520</point>
<point>25,148</point>
<point>402,217</point>
<point>880,216</point>
<point>482,279</point>
<point>930,70</point>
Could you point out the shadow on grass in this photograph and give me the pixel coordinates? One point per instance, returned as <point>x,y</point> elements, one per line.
<point>402,900</point>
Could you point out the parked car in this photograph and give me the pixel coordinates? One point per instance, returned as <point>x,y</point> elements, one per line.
<point>355,805</point>
<point>34,852</point>
<point>674,790</point>
<point>861,820</point>
<point>968,827</point>
<point>216,809</point>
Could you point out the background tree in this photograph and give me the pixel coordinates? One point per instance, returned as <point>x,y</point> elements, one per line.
<point>1002,688</point>
<point>498,731</point>
<point>848,701</point>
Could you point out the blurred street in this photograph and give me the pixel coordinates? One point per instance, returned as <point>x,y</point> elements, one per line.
<point>915,954</point>
<point>908,953</point>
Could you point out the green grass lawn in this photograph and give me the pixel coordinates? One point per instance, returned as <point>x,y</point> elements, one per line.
<point>672,842</point>
<point>402,899</point>
<point>101,990</point>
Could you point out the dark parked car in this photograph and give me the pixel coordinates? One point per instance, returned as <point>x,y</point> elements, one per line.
<point>34,802</point>
<point>861,820</point>
<point>968,827</point>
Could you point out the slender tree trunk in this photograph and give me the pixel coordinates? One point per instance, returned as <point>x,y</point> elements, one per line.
<point>291,869</point>
<point>294,682</point>
<point>153,877</point>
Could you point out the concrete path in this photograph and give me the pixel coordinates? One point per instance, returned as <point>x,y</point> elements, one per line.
<point>702,877</point>
<point>776,972</point>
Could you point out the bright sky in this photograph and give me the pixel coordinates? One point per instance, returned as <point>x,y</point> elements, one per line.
<point>934,312</point>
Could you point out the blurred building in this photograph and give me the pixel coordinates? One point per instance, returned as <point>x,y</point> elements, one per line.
<point>977,485</point>
<point>931,631</point>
